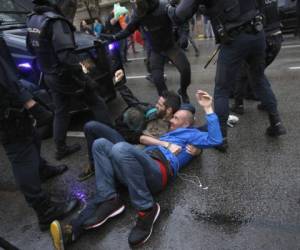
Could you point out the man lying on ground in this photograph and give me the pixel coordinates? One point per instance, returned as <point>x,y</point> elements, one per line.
<point>138,119</point>
<point>143,172</point>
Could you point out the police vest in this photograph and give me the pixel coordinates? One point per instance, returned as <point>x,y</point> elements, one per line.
<point>159,26</point>
<point>39,42</point>
<point>231,13</point>
<point>271,16</point>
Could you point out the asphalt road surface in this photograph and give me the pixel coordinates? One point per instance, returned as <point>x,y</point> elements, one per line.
<point>245,199</point>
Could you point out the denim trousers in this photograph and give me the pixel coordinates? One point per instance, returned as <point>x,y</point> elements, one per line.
<point>94,130</point>
<point>132,167</point>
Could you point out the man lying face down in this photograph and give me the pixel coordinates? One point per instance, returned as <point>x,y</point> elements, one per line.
<point>143,172</point>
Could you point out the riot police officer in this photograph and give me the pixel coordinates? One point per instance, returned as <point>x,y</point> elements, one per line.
<point>238,28</point>
<point>274,38</point>
<point>51,38</point>
<point>22,146</point>
<point>152,16</point>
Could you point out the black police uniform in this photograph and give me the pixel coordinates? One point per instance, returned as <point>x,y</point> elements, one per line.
<point>160,29</point>
<point>243,87</point>
<point>22,146</point>
<point>51,38</point>
<point>238,28</point>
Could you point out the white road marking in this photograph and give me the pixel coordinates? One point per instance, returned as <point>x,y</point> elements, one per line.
<point>78,134</point>
<point>294,68</point>
<point>139,77</point>
<point>136,59</point>
<point>290,46</point>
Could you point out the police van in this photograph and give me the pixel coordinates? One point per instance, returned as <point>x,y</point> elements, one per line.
<point>93,57</point>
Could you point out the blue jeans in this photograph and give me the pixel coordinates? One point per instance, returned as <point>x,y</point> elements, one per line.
<point>245,47</point>
<point>94,130</point>
<point>131,166</point>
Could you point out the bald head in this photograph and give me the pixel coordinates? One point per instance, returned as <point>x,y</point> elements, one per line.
<point>182,119</point>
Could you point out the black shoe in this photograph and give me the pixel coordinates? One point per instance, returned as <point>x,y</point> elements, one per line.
<point>149,78</point>
<point>66,150</point>
<point>105,210</point>
<point>237,109</point>
<point>184,96</point>
<point>223,147</point>
<point>276,130</point>
<point>88,172</point>
<point>61,235</point>
<point>50,171</point>
<point>48,211</point>
<point>261,107</point>
<point>144,225</point>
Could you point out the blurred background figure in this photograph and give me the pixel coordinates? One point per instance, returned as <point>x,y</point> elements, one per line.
<point>97,27</point>
<point>84,27</point>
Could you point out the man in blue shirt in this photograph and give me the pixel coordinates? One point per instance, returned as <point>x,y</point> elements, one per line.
<point>143,172</point>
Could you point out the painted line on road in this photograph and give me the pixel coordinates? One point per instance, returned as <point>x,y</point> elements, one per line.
<point>291,46</point>
<point>77,134</point>
<point>136,59</point>
<point>139,77</point>
<point>294,68</point>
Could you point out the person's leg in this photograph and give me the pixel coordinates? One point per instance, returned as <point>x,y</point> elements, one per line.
<point>179,59</point>
<point>94,130</point>
<point>25,160</point>
<point>191,39</point>
<point>229,63</point>
<point>273,48</point>
<point>141,174</point>
<point>61,118</point>
<point>98,106</point>
<point>157,62</point>
<point>61,125</point>
<point>239,90</point>
<point>262,86</point>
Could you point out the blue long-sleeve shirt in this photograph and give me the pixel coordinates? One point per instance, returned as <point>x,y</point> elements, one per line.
<point>184,136</point>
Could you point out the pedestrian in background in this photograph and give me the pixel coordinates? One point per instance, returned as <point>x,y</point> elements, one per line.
<point>97,27</point>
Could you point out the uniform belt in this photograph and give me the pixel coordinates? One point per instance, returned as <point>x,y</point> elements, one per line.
<point>248,28</point>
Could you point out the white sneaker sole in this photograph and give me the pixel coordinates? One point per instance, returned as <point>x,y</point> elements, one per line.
<point>115,213</point>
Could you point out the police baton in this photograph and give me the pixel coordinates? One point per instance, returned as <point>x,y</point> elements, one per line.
<point>212,57</point>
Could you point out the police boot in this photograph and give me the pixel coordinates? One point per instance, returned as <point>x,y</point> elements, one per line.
<point>276,128</point>
<point>224,146</point>
<point>184,96</point>
<point>48,211</point>
<point>49,171</point>
<point>63,151</point>
<point>237,107</point>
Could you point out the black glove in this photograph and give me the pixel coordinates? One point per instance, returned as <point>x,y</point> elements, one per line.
<point>41,114</point>
<point>107,37</point>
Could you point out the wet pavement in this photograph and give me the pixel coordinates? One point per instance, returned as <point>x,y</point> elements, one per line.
<point>245,199</point>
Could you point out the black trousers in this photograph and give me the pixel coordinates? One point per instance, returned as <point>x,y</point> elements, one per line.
<point>245,47</point>
<point>244,83</point>
<point>24,156</point>
<point>62,102</point>
<point>179,59</point>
